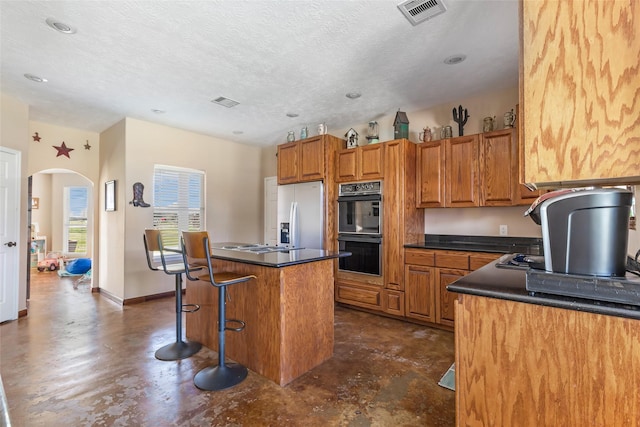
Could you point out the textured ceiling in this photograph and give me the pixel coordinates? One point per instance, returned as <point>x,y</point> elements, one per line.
<point>273,57</point>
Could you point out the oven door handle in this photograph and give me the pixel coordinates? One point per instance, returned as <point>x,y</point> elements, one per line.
<point>364,238</point>
<point>360,198</point>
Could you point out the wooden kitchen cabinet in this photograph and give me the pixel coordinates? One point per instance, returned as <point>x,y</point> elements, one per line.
<point>579,91</point>
<point>499,168</point>
<point>427,274</point>
<point>360,163</point>
<point>520,364</point>
<point>448,173</point>
<point>301,161</point>
<point>462,172</point>
<point>445,303</point>
<point>430,177</point>
<point>402,224</point>
<point>475,170</point>
<point>420,292</point>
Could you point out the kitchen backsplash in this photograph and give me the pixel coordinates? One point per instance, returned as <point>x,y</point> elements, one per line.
<point>485,221</point>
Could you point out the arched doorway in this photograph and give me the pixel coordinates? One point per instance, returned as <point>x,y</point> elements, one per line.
<point>61,220</point>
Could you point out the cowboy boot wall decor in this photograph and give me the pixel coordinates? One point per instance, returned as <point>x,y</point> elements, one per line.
<point>138,189</point>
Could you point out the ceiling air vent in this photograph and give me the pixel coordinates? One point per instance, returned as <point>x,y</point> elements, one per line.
<point>225,102</point>
<point>417,11</point>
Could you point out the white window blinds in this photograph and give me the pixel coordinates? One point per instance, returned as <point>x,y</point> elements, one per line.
<point>178,202</point>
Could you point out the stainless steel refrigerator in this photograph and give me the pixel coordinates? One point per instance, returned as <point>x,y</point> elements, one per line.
<point>301,215</point>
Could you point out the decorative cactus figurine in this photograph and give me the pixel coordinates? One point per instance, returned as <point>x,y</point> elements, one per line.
<point>459,119</point>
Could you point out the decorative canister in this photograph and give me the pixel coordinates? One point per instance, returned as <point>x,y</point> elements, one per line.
<point>509,119</point>
<point>446,132</point>
<point>303,133</point>
<point>291,136</point>
<point>487,124</point>
<point>322,129</point>
<point>425,135</point>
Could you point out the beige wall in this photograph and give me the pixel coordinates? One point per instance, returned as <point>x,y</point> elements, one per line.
<point>14,134</point>
<point>129,151</point>
<point>111,235</point>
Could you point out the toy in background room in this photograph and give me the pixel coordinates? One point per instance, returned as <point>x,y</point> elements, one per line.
<point>460,116</point>
<point>372,132</point>
<point>138,201</point>
<point>401,125</point>
<point>352,138</point>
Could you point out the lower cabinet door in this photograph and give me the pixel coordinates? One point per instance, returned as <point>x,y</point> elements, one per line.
<point>446,300</point>
<point>393,302</point>
<point>420,292</point>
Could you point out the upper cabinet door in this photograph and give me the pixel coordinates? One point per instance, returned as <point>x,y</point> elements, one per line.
<point>430,170</point>
<point>499,167</point>
<point>462,180</point>
<point>311,159</point>
<point>288,163</point>
<point>580,90</point>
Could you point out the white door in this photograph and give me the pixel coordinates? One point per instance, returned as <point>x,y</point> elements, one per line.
<point>10,246</point>
<point>271,210</point>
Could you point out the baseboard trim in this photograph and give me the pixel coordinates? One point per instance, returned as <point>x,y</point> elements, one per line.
<point>136,300</point>
<point>108,295</point>
<point>139,300</point>
<point>22,313</point>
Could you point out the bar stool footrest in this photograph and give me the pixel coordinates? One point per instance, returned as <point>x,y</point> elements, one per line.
<point>195,307</point>
<point>237,329</point>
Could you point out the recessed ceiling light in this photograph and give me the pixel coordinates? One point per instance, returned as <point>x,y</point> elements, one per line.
<point>155,110</point>
<point>35,78</point>
<point>455,59</point>
<point>238,132</point>
<point>292,115</point>
<point>60,26</point>
<point>353,95</point>
<point>225,102</point>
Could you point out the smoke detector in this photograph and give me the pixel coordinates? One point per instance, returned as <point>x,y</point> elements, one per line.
<point>417,11</point>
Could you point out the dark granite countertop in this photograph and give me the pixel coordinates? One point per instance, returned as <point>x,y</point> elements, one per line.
<point>504,245</point>
<point>510,284</point>
<point>273,259</point>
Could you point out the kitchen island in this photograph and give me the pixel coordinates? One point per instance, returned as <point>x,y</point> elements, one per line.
<point>288,310</point>
<point>537,359</point>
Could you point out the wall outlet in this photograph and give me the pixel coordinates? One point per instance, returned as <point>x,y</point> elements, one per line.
<point>504,230</point>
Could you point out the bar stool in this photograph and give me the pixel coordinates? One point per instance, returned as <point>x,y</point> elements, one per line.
<point>180,349</point>
<point>196,252</point>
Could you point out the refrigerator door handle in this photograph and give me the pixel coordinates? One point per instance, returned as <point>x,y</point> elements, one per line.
<point>293,225</point>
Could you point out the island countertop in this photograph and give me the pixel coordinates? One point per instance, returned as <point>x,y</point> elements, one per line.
<point>510,284</point>
<point>271,259</point>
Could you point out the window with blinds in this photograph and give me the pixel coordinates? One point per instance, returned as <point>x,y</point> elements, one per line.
<point>178,202</point>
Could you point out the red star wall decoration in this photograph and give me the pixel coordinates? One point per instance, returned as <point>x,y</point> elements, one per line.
<point>36,137</point>
<point>63,150</point>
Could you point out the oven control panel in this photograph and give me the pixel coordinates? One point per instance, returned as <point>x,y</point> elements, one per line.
<point>360,188</point>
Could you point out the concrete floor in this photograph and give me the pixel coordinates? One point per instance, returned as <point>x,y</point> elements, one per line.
<point>79,359</point>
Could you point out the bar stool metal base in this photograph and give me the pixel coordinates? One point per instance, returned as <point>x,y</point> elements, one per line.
<point>178,350</point>
<point>220,377</point>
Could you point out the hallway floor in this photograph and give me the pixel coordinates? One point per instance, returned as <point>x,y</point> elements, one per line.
<point>78,359</point>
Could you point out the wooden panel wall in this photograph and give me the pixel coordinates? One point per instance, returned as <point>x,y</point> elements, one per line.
<point>528,365</point>
<point>580,89</point>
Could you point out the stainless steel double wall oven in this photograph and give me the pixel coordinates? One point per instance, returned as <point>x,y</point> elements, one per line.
<point>360,227</point>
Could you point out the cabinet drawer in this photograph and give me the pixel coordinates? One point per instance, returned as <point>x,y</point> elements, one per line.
<point>358,296</point>
<point>419,257</point>
<point>477,261</point>
<point>452,260</point>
